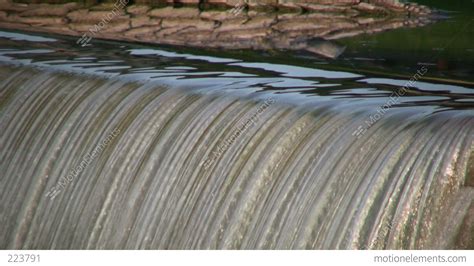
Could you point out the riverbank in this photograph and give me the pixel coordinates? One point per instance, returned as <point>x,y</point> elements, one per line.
<point>293,25</point>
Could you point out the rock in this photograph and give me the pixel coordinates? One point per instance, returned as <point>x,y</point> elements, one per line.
<point>14,7</point>
<point>260,22</point>
<point>291,25</point>
<point>392,4</point>
<point>290,6</point>
<point>84,15</point>
<point>219,15</point>
<point>117,5</point>
<point>165,32</point>
<point>38,20</point>
<point>363,21</point>
<point>115,27</point>
<point>244,34</point>
<point>344,34</point>
<point>198,36</point>
<point>287,16</point>
<point>176,22</point>
<point>196,23</point>
<point>138,9</point>
<point>144,21</point>
<point>147,30</point>
<point>77,15</point>
<point>170,12</point>
<point>366,6</point>
<point>49,10</point>
<point>325,48</point>
<point>232,24</point>
<point>323,8</point>
<point>253,3</point>
<point>60,29</point>
<point>107,14</point>
<point>81,27</point>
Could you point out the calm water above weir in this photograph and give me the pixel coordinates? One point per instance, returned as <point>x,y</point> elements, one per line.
<point>370,68</point>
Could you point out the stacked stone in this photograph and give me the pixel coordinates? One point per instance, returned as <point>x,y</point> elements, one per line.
<point>246,29</point>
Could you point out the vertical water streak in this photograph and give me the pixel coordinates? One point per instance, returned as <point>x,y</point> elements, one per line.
<point>174,174</point>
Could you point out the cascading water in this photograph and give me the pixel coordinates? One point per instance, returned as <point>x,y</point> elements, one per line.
<point>89,162</point>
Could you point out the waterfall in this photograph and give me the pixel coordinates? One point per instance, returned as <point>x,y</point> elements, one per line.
<point>105,163</point>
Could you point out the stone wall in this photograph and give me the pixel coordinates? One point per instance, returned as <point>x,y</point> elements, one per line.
<point>243,28</point>
<point>393,5</point>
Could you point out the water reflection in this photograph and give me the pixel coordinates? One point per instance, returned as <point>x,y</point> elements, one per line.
<point>224,74</point>
<point>298,27</point>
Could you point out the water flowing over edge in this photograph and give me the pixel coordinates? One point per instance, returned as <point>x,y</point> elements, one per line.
<point>97,163</point>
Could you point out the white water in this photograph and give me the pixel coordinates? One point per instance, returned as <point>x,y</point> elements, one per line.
<point>297,178</point>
